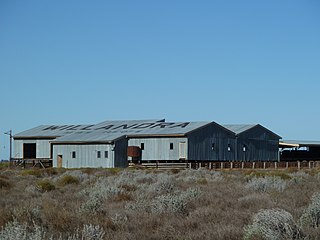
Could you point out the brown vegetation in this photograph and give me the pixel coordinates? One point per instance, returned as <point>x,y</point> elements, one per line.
<point>154,204</point>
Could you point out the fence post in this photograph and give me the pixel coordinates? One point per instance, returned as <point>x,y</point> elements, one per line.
<point>253,164</point>
<point>275,165</point>
<point>299,165</point>
<point>287,165</point>
<point>242,165</point>
<point>264,165</point>
<point>231,165</point>
<point>221,165</point>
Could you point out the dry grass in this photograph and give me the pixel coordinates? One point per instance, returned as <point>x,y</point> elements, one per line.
<point>152,204</point>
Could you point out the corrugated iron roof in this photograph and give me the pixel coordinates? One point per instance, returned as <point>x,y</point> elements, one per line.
<point>239,128</point>
<point>110,131</point>
<point>51,131</point>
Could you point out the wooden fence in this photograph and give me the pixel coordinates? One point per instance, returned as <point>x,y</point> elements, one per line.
<point>226,165</point>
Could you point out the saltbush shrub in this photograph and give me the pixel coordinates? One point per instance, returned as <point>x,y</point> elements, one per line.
<point>273,224</point>
<point>15,230</point>
<point>264,184</point>
<point>88,232</point>
<point>45,185</point>
<point>5,184</point>
<point>32,172</point>
<point>311,215</point>
<point>67,179</point>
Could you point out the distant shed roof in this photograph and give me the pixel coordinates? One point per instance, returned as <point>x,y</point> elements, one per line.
<point>299,143</point>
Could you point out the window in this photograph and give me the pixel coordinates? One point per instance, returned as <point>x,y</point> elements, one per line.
<point>229,147</point>
<point>98,154</point>
<point>106,154</point>
<point>171,146</point>
<point>212,147</point>
<point>244,147</point>
<point>73,154</point>
<point>142,146</point>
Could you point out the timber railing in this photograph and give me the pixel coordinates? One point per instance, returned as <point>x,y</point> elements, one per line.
<point>224,165</point>
<point>33,162</point>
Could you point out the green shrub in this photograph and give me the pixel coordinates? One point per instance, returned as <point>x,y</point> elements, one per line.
<point>4,165</point>
<point>258,174</point>
<point>68,179</point>
<point>33,172</point>
<point>114,170</point>
<point>202,181</point>
<point>45,185</point>
<point>4,183</point>
<point>50,171</point>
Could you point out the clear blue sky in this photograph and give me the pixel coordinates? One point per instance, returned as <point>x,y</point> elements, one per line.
<point>73,62</point>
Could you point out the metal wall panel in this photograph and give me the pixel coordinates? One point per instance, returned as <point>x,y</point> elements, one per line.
<point>17,148</point>
<point>86,155</point>
<point>42,148</point>
<point>159,148</point>
<point>257,150</point>
<point>261,145</point>
<point>201,144</point>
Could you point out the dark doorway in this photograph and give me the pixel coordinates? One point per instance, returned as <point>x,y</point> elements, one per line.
<point>29,150</point>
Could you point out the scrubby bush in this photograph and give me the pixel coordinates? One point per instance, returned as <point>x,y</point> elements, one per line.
<point>92,205</point>
<point>45,185</point>
<point>4,165</point>
<point>67,179</point>
<point>5,184</point>
<point>88,232</point>
<point>15,230</point>
<point>174,203</point>
<point>264,184</point>
<point>273,224</point>
<point>170,203</point>
<point>201,175</point>
<point>311,215</point>
<point>32,172</point>
<point>164,184</point>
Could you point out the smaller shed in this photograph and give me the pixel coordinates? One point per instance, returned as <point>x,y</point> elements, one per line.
<point>104,145</point>
<point>298,150</point>
<point>255,142</point>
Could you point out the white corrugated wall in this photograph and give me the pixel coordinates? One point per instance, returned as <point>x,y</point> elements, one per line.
<point>159,148</point>
<point>85,155</point>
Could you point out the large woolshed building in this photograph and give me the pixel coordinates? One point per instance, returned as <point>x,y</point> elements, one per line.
<point>255,142</point>
<point>113,143</point>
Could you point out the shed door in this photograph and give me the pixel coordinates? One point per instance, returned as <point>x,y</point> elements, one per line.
<point>29,150</point>
<point>182,150</point>
<point>59,161</point>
